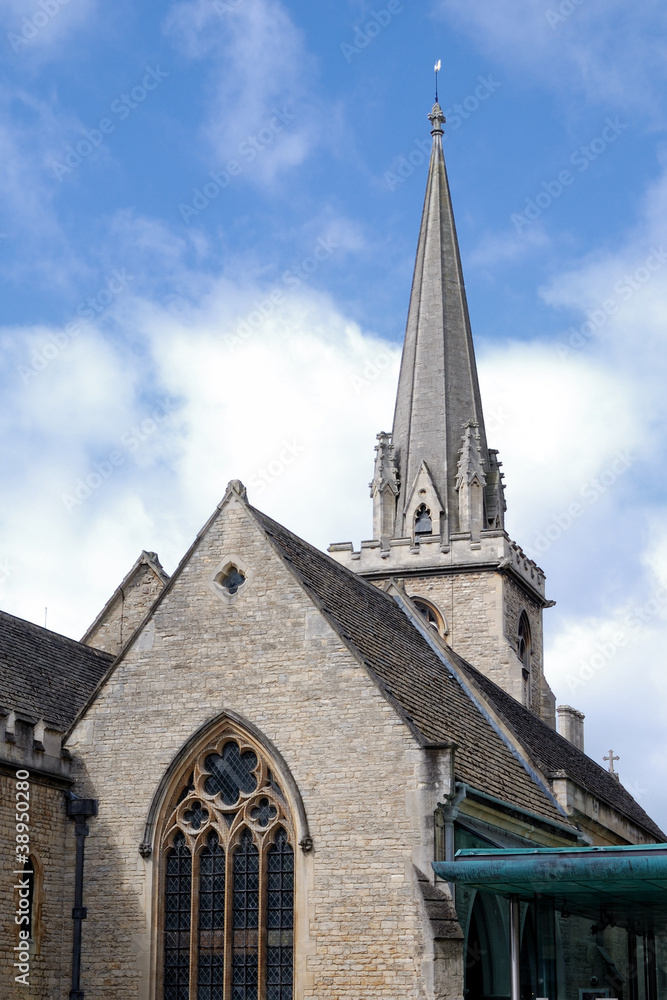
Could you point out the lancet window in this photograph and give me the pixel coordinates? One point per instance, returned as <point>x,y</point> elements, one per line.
<point>227,879</point>
<point>524,649</point>
<point>423,521</point>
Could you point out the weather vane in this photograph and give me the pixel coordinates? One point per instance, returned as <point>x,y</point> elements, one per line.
<point>437,68</point>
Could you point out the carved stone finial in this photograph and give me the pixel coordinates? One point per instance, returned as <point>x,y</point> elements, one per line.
<point>470,465</point>
<point>385,473</point>
<point>236,486</point>
<point>437,119</point>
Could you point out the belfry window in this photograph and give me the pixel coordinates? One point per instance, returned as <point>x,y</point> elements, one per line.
<point>524,650</point>
<point>227,880</point>
<point>423,522</point>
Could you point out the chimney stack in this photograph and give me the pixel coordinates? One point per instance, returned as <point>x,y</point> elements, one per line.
<point>571,725</point>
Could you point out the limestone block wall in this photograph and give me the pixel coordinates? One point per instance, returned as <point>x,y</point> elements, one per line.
<point>52,925</point>
<point>126,611</point>
<point>473,606</point>
<point>482,612</point>
<point>267,655</point>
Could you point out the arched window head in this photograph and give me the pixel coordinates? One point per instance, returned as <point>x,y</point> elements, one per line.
<point>431,614</point>
<point>423,522</point>
<point>524,650</point>
<point>227,878</point>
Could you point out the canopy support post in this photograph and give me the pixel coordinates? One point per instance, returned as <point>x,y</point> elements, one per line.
<point>515,947</point>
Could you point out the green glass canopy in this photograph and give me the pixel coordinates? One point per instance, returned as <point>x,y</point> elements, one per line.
<point>623,885</point>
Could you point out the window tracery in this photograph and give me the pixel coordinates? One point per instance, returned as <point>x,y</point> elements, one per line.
<point>423,521</point>
<point>227,890</point>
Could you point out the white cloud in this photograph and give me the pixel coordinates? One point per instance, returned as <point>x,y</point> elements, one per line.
<point>292,408</point>
<point>261,113</point>
<point>608,51</point>
<point>38,31</point>
<point>557,425</point>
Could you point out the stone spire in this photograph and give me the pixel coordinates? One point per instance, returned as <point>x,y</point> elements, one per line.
<point>438,390</point>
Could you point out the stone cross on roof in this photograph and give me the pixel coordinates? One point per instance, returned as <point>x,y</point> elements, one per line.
<point>611,758</point>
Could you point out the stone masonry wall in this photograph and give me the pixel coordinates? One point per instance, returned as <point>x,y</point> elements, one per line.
<point>269,656</point>
<point>482,613</point>
<point>52,926</point>
<point>127,612</point>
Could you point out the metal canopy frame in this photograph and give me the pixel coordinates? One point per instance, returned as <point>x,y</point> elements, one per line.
<point>624,886</point>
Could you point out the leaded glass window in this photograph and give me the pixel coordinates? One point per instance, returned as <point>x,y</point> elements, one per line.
<point>227,903</point>
<point>280,919</point>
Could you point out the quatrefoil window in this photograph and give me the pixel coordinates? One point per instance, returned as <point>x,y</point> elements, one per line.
<point>196,816</point>
<point>230,773</point>
<point>263,812</point>
<point>232,580</point>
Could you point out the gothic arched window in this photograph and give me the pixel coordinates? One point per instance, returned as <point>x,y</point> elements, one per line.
<point>423,522</point>
<point>227,879</point>
<point>429,611</point>
<point>524,649</point>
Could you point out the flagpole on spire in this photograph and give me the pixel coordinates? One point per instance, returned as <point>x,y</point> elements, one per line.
<point>438,67</point>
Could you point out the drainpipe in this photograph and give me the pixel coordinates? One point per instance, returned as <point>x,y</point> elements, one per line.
<point>79,810</point>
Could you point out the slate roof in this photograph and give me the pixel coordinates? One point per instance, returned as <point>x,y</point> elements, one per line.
<point>409,673</point>
<point>44,675</point>
<point>552,753</point>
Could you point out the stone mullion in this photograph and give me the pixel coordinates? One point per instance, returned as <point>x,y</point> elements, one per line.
<point>194,924</point>
<point>229,920</point>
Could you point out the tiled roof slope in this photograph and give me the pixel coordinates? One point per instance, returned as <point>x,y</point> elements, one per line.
<point>553,753</point>
<point>44,675</point>
<point>410,674</point>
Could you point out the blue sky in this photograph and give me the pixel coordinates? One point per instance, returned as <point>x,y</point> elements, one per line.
<point>208,219</point>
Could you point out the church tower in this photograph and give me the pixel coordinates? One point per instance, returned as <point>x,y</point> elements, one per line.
<point>437,489</point>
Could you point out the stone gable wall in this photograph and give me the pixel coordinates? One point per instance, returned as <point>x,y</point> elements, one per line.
<point>269,656</point>
<point>126,613</point>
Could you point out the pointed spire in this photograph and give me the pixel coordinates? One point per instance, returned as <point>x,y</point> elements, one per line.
<point>438,390</point>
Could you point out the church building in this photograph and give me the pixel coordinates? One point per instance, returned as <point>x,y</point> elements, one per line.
<point>237,784</point>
